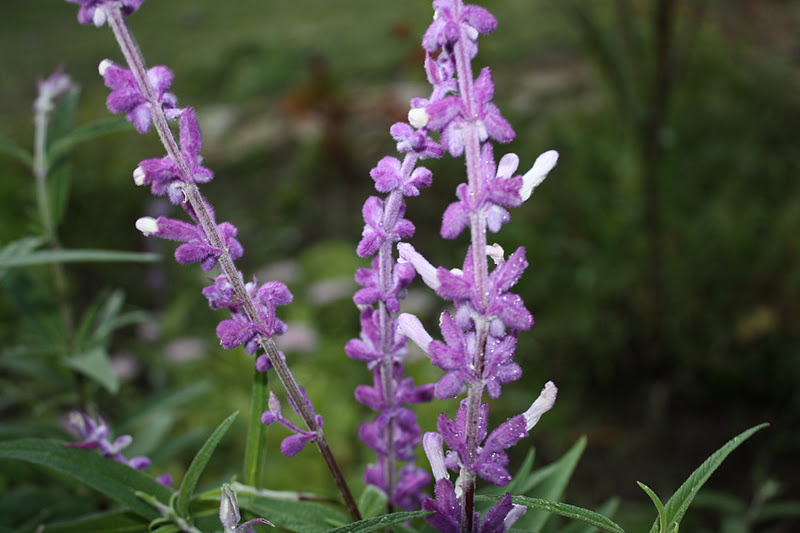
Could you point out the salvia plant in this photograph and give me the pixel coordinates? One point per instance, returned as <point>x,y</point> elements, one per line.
<point>453,480</point>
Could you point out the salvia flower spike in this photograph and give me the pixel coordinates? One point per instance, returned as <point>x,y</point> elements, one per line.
<point>479,335</point>
<point>143,95</point>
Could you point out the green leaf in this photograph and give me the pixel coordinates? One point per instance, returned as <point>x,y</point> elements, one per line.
<point>607,509</point>
<point>298,516</point>
<point>569,511</point>
<point>10,148</point>
<point>677,505</point>
<point>380,522</point>
<point>59,183</point>
<point>86,133</point>
<point>255,450</point>
<point>372,502</point>
<point>46,257</point>
<point>22,246</point>
<point>116,480</point>
<point>549,483</point>
<point>662,516</point>
<point>199,463</point>
<point>63,118</point>
<point>96,365</point>
<point>112,522</point>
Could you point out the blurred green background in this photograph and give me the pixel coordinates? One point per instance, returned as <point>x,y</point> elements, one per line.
<point>665,261</point>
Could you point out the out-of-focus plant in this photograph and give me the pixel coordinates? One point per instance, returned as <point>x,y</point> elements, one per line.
<point>480,335</point>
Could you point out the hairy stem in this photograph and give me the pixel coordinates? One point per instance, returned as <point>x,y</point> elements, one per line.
<point>192,193</point>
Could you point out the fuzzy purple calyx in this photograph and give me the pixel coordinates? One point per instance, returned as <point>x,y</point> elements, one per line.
<point>165,176</point>
<point>126,96</point>
<point>450,116</point>
<point>93,11</point>
<point>293,444</point>
<point>382,225</point>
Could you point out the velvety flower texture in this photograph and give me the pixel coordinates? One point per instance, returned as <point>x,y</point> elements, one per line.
<point>127,97</point>
<point>480,334</point>
<point>394,433</point>
<point>91,11</point>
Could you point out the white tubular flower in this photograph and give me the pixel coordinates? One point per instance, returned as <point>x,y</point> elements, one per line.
<point>139,176</point>
<point>426,270</point>
<point>432,444</point>
<point>147,225</point>
<point>542,404</point>
<point>538,172</point>
<point>411,327</point>
<point>103,66</point>
<point>228,509</point>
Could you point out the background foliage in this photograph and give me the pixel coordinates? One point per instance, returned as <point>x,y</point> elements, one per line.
<point>663,342</point>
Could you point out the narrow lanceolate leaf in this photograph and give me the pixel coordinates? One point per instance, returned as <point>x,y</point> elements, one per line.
<point>662,516</point>
<point>549,483</point>
<point>198,465</point>
<point>255,451</point>
<point>676,507</point>
<point>116,480</point>
<point>569,511</point>
<point>96,365</point>
<point>47,257</point>
<point>379,522</point>
<point>113,522</point>
<point>8,147</point>
<point>607,509</point>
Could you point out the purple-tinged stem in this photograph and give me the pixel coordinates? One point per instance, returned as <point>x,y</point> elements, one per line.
<point>192,195</point>
<point>472,150</point>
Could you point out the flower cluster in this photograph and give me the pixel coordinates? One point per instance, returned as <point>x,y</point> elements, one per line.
<point>480,334</point>
<point>143,96</point>
<point>96,435</point>
<point>394,433</point>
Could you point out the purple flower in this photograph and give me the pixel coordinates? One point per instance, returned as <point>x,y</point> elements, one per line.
<point>449,115</point>
<point>51,88</point>
<point>165,176</point>
<point>388,176</point>
<point>451,24</point>
<point>93,11</point>
<point>293,444</point>
<point>410,140</point>
<point>240,329</point>
<point>95,435</point>
<point>126,96</point>
<point>196,247</point>
<point>382,228</point>
<point>368,278</point>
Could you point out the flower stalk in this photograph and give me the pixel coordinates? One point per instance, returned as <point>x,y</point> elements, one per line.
<point>113,12</point>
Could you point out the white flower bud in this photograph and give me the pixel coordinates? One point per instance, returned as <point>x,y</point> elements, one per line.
<point>139,176</point>
<point>99,16</point>
<point>147,225</point>
<point>496,252</point>
<point>103,66</point>
<point>418,117</point>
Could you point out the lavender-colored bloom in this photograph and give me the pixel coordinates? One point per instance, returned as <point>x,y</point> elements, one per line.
<point>96,435</point>
<point>480,334</point>
<point>93,11</point>
<point>293,444</point>
<point>376,231</point>
<point>450,116</point>
<point>51,88</point>
<point>127,97</point>
<point>165,176</point>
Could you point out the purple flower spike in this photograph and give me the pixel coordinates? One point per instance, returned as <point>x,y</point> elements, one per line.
<point>93,11</point>
<point>126,96</point>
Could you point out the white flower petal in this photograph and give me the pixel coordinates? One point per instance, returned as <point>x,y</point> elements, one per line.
<point>538,172</point>
<point>507,166</point>
<point>542,404</point>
